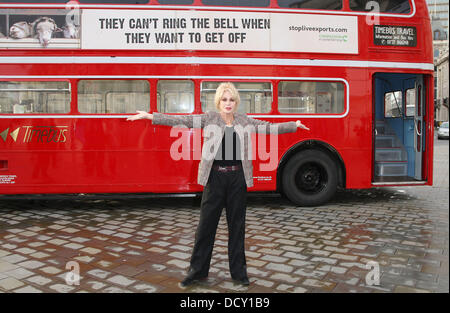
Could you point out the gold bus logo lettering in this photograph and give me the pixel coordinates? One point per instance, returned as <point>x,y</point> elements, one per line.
<point>45,134</point>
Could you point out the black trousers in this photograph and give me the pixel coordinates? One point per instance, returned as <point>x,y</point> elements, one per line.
<point>229,190</point>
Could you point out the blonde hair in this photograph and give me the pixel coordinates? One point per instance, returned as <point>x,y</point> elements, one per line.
<point>221,90</point>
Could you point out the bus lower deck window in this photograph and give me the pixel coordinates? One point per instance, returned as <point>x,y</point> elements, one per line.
<point>256,97</point>
<point>19,97</point>
<point>175,96</point>
<point>311,4</point>
<point>113,96</point>
<point>310,97</point>
<point>388,6</point>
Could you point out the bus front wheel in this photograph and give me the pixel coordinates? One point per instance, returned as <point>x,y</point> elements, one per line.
<point>310,178</point>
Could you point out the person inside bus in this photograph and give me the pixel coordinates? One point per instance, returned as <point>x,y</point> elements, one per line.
<point>225,178</point>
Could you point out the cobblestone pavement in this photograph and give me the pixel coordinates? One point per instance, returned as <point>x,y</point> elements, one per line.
<point>144,245</point>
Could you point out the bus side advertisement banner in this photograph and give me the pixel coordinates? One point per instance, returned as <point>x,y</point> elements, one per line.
<point>193,30</point>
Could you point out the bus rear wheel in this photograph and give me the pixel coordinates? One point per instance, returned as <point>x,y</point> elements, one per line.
<point>310,178</point>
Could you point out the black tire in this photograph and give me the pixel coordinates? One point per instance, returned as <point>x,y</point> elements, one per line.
<point>310,178</point>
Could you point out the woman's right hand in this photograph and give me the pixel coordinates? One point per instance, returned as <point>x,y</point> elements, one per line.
<point>142,115</point>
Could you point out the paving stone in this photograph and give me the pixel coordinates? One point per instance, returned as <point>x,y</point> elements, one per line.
<point>289,288</point>
<point>264,283</point>
<point>4,253</point>
<point>13,258</point>
<point>273,258</point>
<point>99,273</point>
<point>62,288</point>
<point>179,263</point>
<point>285,277</point>
<point>121,280</point>
<point>310,273</point>
<point>50,270</point>
<point>85,258</point>
<point>28,289</point>
<point>180,255</point>
<point>74,246</point>
<point>31,264</point>
<point>145,288</point>
<point>91,250</point>
<point>19,273</point>
<point>25,250</point>
<point>39,255</point>
<point>95,285</point>
<point>40,280</point>
<point>279,267</point>
<point>57,242</point>
<point>10,283</point>
<point>319,284</point>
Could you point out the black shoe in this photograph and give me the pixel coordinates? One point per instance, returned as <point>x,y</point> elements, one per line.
<point>243,282</point>
<point>188,281</point>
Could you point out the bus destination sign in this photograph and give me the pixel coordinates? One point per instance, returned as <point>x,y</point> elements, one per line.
<point>389,35</point>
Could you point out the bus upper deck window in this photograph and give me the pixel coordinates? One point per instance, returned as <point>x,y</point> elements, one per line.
<point>114,1</point>
<point>18,97</point>
<point>256,97</point>
<point>175,96</point>
<point>388,6</point>
<point>311,4</point>
<point>113,96</point>
<point>175,1</point>
<point>238,3</point>
<point>310,97</point>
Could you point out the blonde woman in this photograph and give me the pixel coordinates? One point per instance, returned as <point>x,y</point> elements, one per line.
<point>225,177</point>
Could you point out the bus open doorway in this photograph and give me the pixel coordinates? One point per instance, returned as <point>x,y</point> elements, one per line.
<point>399,128</point>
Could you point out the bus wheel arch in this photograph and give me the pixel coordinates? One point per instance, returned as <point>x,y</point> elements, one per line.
<point>324,158</point>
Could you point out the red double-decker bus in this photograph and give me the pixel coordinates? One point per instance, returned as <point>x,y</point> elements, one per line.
<point>359,74</point>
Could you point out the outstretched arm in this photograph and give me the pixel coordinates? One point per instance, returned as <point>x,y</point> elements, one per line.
<point>276,128</point>
<point>190,121</point>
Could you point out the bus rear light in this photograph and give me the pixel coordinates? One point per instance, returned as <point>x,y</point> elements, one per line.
<point>3,164</point>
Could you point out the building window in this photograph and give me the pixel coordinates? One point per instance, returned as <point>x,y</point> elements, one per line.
<point>113,96</point>
<point>256,97</point>
<point>34,97</point>
<point>175,96</point>
<point>311,97</point>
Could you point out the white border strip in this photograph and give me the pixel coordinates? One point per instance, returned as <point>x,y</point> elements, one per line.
<point>200,8</point>
<point>212,60</point>
<point>183,77</point>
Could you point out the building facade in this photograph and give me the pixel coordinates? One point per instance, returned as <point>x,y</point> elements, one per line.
<point>441,103</point>
<point>438,10</point>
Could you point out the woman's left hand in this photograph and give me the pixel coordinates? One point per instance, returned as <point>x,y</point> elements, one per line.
<point>300,125</point>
